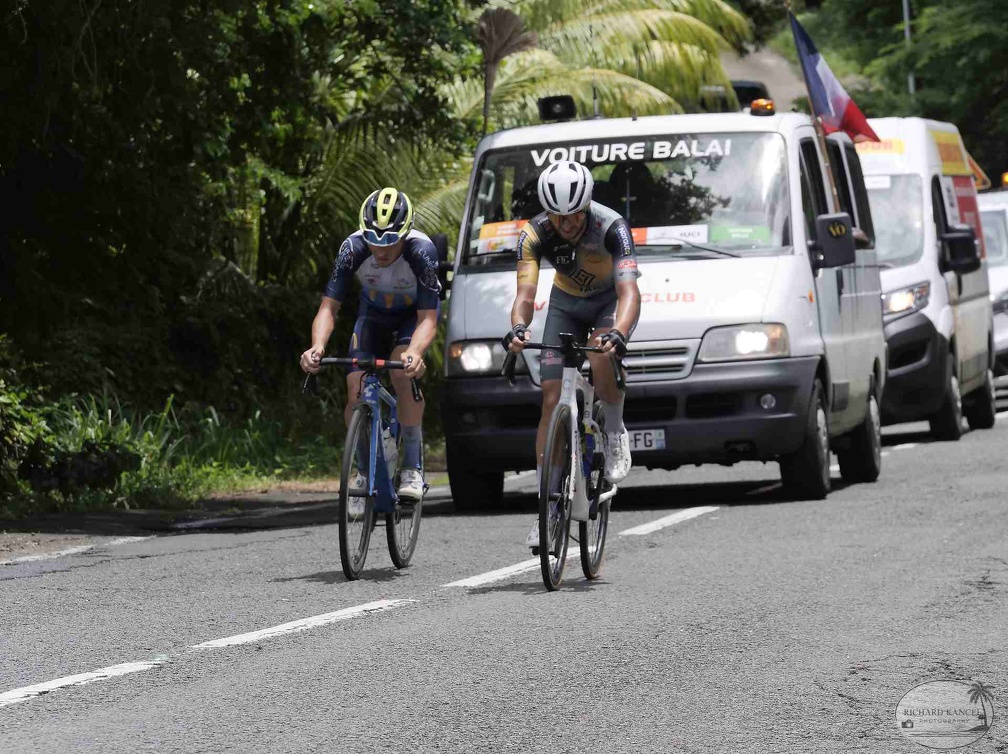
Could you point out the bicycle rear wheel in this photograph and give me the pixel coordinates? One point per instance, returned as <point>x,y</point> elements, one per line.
<point>554,505</point>
<point>356,511</point>
<point>402,527</point>
<point>592,533</point>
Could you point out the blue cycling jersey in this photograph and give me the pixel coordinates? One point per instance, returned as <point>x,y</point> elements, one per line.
<point>409,283</point>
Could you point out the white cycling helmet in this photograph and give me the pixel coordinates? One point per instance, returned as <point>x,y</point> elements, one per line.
<point>565,188</point>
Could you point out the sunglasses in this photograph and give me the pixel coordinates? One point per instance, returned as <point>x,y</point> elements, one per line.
<point>388,238</point>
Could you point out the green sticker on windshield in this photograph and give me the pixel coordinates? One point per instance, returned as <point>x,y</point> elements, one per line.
<point>752,233</point>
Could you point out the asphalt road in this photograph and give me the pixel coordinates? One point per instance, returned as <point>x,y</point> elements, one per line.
<point>757,625</point>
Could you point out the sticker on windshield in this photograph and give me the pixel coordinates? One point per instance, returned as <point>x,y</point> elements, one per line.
<point>499,236</point>
<point>877,182</point>
<point>638,150</point>
<point>748,233</point>
<point>886,146</point>
<point>668,233</point>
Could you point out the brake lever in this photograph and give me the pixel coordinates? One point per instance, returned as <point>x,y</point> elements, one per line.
<point>417,395</point>
<point>508,369</point>
<point>310,385</point>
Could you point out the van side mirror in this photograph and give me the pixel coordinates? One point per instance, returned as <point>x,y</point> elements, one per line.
<point>963,251</point>
<point>835,244</point>
<point>444,266</point>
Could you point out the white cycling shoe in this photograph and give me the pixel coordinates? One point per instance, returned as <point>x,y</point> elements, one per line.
<point>410,485</point>
<point>618,460</point>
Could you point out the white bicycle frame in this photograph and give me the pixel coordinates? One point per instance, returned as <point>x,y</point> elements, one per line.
<point>577,493</point>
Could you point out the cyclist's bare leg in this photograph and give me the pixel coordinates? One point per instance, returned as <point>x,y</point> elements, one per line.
<point>551,397</point>
<point>353,382</point>
<point>618,459</point>
<point>410,412</point>
<point>603,376</point>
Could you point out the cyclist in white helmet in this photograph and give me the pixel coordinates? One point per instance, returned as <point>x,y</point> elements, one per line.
<point>594,294</point>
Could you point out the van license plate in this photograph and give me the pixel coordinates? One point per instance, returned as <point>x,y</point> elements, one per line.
<point>647,439</point>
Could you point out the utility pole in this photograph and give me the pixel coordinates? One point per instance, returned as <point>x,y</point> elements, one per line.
<point>906,33</point>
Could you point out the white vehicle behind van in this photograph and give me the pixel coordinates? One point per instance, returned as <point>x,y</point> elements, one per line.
<point>994,218</point>
<point>760,335</point>
<point>936,303</point>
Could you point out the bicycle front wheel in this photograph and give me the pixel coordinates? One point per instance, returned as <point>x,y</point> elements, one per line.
<point>402,528</point>
<point>554,505</point>
<point>356,508</point>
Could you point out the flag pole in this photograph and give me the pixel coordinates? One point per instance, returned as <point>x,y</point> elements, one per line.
<point>817,124</point>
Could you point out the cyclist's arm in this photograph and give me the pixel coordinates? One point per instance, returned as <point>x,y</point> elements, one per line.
<point>619,241</point>
<point>424,333</point>
<point>627,307</point>
<point>523,308</point>
<point>325,321</point>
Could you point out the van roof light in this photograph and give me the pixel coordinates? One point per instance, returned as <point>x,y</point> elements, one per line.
<point>558,108</point>
<point>762,106</point>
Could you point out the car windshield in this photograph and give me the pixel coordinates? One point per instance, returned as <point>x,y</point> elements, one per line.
<point>724,191</point>
<point>995,232</point>
<point>898,201</point>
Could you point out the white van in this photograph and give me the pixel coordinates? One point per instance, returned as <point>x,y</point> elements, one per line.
<point>936,301</point>
<point>760,336</point>
<point>994,219</point>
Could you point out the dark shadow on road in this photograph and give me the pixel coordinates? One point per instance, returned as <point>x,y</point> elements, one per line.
<point>536,586</point>
<point>337,577</point>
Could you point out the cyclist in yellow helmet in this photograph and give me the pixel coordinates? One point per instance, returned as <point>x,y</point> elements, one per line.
<point>396,266</point>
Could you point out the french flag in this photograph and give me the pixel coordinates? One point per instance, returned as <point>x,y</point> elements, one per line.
<point>835,108</point>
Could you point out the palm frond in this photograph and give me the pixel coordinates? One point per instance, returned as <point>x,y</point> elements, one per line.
<point>591,40</point>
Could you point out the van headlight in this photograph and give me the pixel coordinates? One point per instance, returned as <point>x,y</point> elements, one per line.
<point>467,358</point>
<point>906,300</point>
<point>741,342</point>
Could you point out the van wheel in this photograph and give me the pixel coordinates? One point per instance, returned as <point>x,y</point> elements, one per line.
<point>473,490</point>
<point>983,413</point>
<point>862,461</point>
<point>946,422</point>
<point>805,473</point>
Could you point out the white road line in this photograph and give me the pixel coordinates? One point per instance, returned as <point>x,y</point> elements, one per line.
<point>661,523</point>
<point>302,624</point>
<point>500,573</point>
<point>71,551</point>
<point>28,692</point>
<point>905,446</point>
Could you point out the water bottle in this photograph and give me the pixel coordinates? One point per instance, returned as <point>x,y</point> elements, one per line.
<point>391,451</point>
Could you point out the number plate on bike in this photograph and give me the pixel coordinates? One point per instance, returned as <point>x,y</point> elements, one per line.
<point>647,439</point>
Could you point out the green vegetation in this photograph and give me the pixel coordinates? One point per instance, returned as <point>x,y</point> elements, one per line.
<point>175,179</point>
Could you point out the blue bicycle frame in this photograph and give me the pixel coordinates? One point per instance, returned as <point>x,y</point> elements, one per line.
<point>373,394</point>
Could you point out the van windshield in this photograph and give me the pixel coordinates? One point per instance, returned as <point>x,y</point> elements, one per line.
<point>995,232</point>
<point>899,201</point>
<point>727,191</point>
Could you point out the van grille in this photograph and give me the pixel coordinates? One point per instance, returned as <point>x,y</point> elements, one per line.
<point>653,361</point>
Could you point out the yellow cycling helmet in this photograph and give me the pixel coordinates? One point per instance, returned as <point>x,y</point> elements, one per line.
<point>386,216</point>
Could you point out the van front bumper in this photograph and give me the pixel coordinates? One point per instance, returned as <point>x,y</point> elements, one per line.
<point>713,416</point>
<point>918,358</point>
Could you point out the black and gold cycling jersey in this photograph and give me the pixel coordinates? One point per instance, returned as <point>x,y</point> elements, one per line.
<point>604,254</point>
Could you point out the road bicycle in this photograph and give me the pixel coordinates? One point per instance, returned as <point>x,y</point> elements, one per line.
<point>573,485</point>
<point>369,460</point>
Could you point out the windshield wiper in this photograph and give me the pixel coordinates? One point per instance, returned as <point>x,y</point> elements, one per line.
<point>679,243</point>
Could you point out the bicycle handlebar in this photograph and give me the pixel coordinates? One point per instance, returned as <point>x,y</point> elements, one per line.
<point>368,365</point>
<point>511,358</point>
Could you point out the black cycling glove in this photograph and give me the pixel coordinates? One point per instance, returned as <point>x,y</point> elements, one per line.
<point>615,337</point>
<point>518,331</point>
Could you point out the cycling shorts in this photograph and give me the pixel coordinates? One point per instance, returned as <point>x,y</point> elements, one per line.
<point>579,316</point>
<point>376,334</point>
